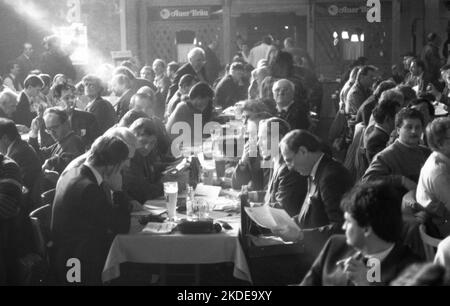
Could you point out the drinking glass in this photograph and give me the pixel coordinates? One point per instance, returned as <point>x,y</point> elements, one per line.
<point>171,194</point>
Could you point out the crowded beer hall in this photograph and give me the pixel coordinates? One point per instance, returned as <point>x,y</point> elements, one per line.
<point>224,143</point>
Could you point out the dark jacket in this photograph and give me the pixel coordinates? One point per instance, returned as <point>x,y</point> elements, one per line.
<point>287,190</point>
<point>325,272</point>
<point>30,169</point>
<point>142,179</point>
<point>26,65</point>
<point>104,113</point>
<point>60,154</point>
<point>185,69</point>
<point>297,116</point>
<point>23,114</point>
<point>365,110</point>
<point>84,221</point>
<point>355,98</point>
<point>249,172</point>
<point>227,93</point>
<point>85,126</point>
<point>123,105</point>
<point>375,142</point>
<point>321,215</point>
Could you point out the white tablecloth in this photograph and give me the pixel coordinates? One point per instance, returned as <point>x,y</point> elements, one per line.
<point>177,248</point>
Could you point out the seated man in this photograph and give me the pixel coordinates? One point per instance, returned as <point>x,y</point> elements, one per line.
<point>377,139</point>
<point>433,192</point>
<point>182,94</point>
<point>26,158</point>
<point>227,91</point>
<point>122,88</point>
<point>8,101</point>
<point>84,217</point>
<point>328,180</point>
<point>82,123</point>
<point>67,146</point>
<point>142,179</point>
<point>370,253</point>
<point>142,102</point>
<point>400,163</point>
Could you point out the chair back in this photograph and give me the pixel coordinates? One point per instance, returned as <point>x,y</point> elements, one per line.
<point>48,197</point>
<point>429,243</point>
<point>41,217</point>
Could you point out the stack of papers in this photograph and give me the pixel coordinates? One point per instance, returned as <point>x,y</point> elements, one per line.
<point>271,218</point>
<point>159,228</point>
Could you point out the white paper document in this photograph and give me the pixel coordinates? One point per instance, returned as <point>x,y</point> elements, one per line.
<point>208,192</point>
<point>269,217</point>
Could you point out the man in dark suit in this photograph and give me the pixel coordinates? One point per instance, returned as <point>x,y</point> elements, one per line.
<point>25,62</point>
<point>195,67</point>
<point>25,156</point>
<point>328,180</point>
<point>82,123</point>
<point>24,115</point>
<point>85,218</point>
<point>68,145</point>
<point>102,110</point>
<point>294,113</point>
<point>227,90</point>
<point>121,86</point>
<point>371,252</point>
<point>377,136</point>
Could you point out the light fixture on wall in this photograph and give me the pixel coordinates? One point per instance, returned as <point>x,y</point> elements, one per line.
<point>344,35</point>
<point>354,38</point>
<point>286,27</point>
<point>335,35</point>
<point>361,37</point>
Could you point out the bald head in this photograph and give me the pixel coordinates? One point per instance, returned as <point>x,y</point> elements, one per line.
<point>283,93</point>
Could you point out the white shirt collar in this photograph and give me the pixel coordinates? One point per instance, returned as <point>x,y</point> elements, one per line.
<point>316,165</point>
<point>285,108</point>
<point>97,175</point>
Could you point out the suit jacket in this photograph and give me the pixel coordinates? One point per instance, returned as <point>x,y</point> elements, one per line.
<point>287,189</point>
<point>85,126</point>
<point>375,142</point>
<point>325,272</point>
<point>84,222</point>
<point>227,93</point>
<point>23,114</point>
<point>185,69</point>
<point>60,154</point>
<point>321,215</point>
<point>30,168</point>
<point>249,172</point>
<point>142,179</point>
<point>297,116</point>
<point>355,98</point>
<point>26,65</point>
<point>104,114</point>
<point>123,105</point>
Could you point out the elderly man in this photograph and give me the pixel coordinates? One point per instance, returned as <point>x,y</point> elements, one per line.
<point>328,180</point>
<point>227,90</point>
<point>370,253</point>
<point>26,63</point>
<point>361,90</point>
<point>194,66</point>
<point>148,74</point>
<point>32,87</point>
<point>161,81</point>
<point>416,78</point>
<point>295,113</point>
<point>68,145</point>
<point>85,217</point>
<point>102,110</point>
<point>121,86</point>
<point>82,123</point>
<point>8,102</point>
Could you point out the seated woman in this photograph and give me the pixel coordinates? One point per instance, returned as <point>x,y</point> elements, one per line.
<point>287,188</point>
<point>198,107</point>
<point>248,171</point>
<point>432,189</point>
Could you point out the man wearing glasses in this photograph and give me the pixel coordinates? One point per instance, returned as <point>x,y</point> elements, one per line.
<point>68,145</point>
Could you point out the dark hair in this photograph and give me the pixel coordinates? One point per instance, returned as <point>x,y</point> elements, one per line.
<point>364,70</point>
<point>283,125</point>
<point>407,92</point>
<point>408,113</point>
<point>108,151</point>
<point>46,79</point>
<point>130,117</point>
<point>376,204</point>
<point>436,132</point>
<point>302,138</point>
<point>282,65</point>
<point>62,115</point>
<point>426,101</point>
<point>201,90</point>
<point>8,128</point>
<point>431,36</point>
<point>173,66</point>
<point>58,89</point>
<point>385,109</point>
<point>33,81</point>
<point>186,79</point>
<point>255,107</point>
<point>144,127</point>
<point>10,65</point>
<point>237,66</point>
<point>267,40</point>
<point>419,63</point>
<point>382,87</point>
